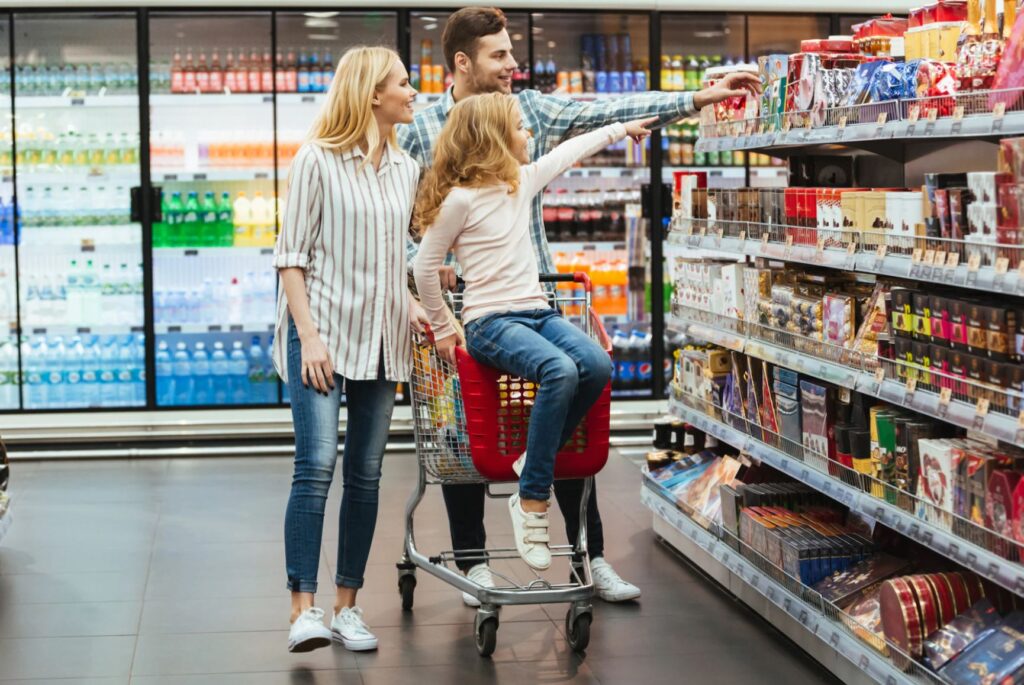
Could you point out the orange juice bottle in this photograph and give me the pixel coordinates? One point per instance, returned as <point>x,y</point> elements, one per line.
<point>618,291</point>
<point>564,266</point>
<point>600,276</point>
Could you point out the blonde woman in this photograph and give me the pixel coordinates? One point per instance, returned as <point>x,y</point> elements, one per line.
<point>476,200</point>
<point>344,318</point>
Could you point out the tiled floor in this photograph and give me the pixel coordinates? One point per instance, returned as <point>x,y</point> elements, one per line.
<point>173,572</point>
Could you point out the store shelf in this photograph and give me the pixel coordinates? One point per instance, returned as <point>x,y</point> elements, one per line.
<point>711,171</point>
<point>608,172</point>
<point>50,102</point>
<point>895,391</point>
<point>230,251</point>
<point>292,99</point>
<point>209,99</point>
<point>71,175</point>
<point>829,641</point>
<point>599,246</point>
<point>193,328</point>
<point>65,330</point>
<point>925,266</point>
<point>190,175</point>
<point>972,556</point>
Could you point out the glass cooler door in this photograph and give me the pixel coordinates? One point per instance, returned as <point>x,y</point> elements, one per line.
<point>312,44</point>
<point>10,374</point>
<point>592,214</point>
<point>212,150</point>
<point>80,258</point>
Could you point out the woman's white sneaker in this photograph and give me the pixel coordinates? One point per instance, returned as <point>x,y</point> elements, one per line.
<point>609,585</point>
<point>531,533</point>
<point>308,632</point>
<point>481,575</point>
<point>348,628</point>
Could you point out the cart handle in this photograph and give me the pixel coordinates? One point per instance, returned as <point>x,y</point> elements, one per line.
<point>577,277</point>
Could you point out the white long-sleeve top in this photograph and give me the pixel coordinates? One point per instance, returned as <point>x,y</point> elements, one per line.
<point>346,225</point>
<point>488,229</point>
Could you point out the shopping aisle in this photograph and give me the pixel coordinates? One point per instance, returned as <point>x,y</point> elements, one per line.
<point>172,572</point>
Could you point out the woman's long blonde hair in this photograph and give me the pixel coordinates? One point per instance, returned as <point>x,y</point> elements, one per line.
<point>474,150</point>
<point>346,118</point>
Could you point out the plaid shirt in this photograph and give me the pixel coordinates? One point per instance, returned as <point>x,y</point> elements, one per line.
<point>551,119</point>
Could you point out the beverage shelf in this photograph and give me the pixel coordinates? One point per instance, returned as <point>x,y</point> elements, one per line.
<point>608,172</point>
<point>192,328</point>
<point>209,99</point>
<point>884,383</point>
<point>69,175</point>
<point>972,556</point>
<point>898,259</point>
<point>66,330</point>
<point>214,174</point>
<point>575,246</point>
<point>32,102</point>
<point>228,252</point>
<point>292,99</point>
<point>826,637</point>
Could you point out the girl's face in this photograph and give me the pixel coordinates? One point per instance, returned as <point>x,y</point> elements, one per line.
<point>521,140</point>
<point>394,99</point>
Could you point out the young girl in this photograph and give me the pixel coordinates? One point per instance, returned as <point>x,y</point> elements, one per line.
<point>476,200</point>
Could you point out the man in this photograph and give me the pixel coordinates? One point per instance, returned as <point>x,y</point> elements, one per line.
<point>478,52</point>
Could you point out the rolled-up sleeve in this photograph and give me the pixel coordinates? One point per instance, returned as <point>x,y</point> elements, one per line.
<point>303,213</point>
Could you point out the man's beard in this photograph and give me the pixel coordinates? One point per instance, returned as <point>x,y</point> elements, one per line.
<point>482,85</point>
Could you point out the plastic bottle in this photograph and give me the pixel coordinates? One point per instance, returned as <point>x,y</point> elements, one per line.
<point>316,80</point>
<point>126,371</point>
<point>92,304</point>
<point>327,71</point>
<point>164,375</point>
<point>139,370</point>
<point>173,216</point>
<point>641,344</point>
<point>242,212</point>
<point>225,223</point>
<point>182,375</point>
<point>234,312</point>
<point>208,232</point>
<point>618,291</point>
<point>261,220</point>
<point>8,375</point>
<point>600,276</point>
<point>202,380</point>
<point>108,375</point>
<point>190,222</point>
<point>238,370</point>
<point>305,81</point>
<point>259,387</point>
<point>90,391</point>
<point>220,372</point>
<point>580,263</point>
<point>32,352</point>
<point>622,376</point>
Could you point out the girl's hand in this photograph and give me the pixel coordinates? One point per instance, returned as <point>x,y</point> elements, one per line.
<point>640,128</point>
<point>418,320</point>
<point>317,369</point>
<point>446,346</point>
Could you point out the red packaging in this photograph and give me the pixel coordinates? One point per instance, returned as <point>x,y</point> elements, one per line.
<point>943,591</point>
<point>813,45</point>
<point>901,618</point>
<point>927,604</point>
<point>702,178</point>
<point>1017,514</point>
<point>916,18</point>
<point>975,589</point>
<point>791,198</point>
<point>949,11</point>
<point>928,15</point>
<point>837,44</point>
<point>999,509</point>
<point>961,597</point>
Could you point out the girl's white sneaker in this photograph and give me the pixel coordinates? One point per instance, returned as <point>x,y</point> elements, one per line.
<point>308,632</point>
<point>531,534</point>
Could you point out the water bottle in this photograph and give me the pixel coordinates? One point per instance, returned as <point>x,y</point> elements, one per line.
<point>182,375</point>
<point>139,369</point>
<point>219,371</point>
<point>126,371</point>
<point>164,375</point>
<point>126,306</point>
<point>234,302</point>
<point>250,297</point>
<point>91,363</point>
<point>92,306</point>
<point>31,356</point>
<point>74,356</point>
<point>258,384</point>
<point>108,372</point>
<point>8,375</point>
<point>202,381</point>
<point>238,369</point>
<point>53,373</point>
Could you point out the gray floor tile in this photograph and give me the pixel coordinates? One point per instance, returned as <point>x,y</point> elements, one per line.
<point>483,671</point>
<point>124,680</point>
<point>84,619</point>
<point>297,676</point>
<point>66,657</point>
<point>238,652</point>
<point>67,588</point>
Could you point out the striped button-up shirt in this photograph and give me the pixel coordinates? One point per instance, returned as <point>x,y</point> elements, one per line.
<point>346,225</point>
<point>551,119</point>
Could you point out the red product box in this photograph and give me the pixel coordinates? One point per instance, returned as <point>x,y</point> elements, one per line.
<point>927,15</point>
<point>702,178</point>
<point>791,199</point>
<point>945,11</point>
<point>916,18</point>
<point>812,45</point>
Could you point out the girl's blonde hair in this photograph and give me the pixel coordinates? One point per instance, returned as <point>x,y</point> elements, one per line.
<point>346,118</point>
<point>474,150</point>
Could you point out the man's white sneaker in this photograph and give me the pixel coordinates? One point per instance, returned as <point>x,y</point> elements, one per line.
<point>609,586</point>
<point>531,534</point>
<point>348,628</point>
<point>308,632</point>
<point>481,575</point>
<point>519,464</point>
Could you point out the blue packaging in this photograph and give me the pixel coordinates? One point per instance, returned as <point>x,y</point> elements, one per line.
<point>601,80</point>
<point>860,87</point>
<point>615,82</point>
<point>910,70</point>
<point>887,82</point>
<point>640,81</point>
<point>627,82</point>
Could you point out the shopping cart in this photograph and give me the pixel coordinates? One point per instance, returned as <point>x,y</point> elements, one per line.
<point>470,423</point>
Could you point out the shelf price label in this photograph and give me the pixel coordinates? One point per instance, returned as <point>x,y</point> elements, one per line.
<point>973,265</point>
<point>1019,438</point>
<point>882,118</point>
<point>915,113</point>
<point>980,412</point>
<point>851,255</point>
<point>743,236</point>
<point>998,114</point>
<point>842,123</point>
<point>945,397</point>
<point>879,378</point>
<point>764,241</point>
<point>880,252</point>
<point>911,388</point>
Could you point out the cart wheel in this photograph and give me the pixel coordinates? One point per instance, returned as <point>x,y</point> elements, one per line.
<point>487,637</point>
<point>406,588</point>
<point>577,633</point>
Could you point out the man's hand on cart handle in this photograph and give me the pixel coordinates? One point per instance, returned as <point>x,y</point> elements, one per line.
<point>317,369</point>
<point>449,281</point>
<point>446,346</point>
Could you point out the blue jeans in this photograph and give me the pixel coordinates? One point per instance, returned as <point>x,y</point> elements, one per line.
<point>316,452</point>
<point>570,369</point>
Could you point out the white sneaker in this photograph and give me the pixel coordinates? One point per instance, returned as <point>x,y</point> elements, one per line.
<point>481,575</point>
<point>531,534</point>
<point>348,628</point>
<point>308,632</point>
<point>519,464</point>
<point>609,586</point>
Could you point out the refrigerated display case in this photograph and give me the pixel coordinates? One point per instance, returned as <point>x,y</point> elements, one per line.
<point>213,161</point>
<point>10,373</point>
<point>80,253</point>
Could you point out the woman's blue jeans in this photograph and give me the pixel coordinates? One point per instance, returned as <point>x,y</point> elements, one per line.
<point>316,417</point>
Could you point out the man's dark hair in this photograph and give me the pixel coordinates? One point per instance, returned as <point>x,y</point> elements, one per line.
<point>467,26</point>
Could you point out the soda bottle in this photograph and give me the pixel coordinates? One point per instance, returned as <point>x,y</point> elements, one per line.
<point>173,216</point>
<point>580,264</point>
<point>177,75</point>
<point>291,79</point>
<point>267,73</point>
<point>620,369</point>
<point>255,72</point>
<point>691,76</point>
<point>230,72</point>
<point>209,224</point>
<point>202,74</point>
<point>242,72</point>
<point>678,71</point>
<point>327,71</point>
<point>618,291</point>
<point>641,344</point>
<point>316,77</point>
<point>188,79</point>
<point>280,78</point>
<point>242,221</point>
<point>305,83</point>
<point>225,224</point>
<point>190,222</point>
<point>216,73</point>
